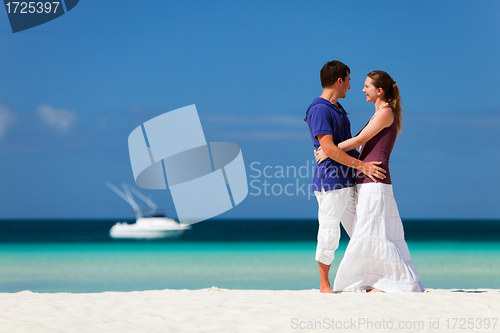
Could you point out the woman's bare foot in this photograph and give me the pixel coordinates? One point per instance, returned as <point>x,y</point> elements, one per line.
<point>375,290</point>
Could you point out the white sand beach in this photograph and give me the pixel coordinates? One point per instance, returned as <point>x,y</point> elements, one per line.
<point>222,310</point>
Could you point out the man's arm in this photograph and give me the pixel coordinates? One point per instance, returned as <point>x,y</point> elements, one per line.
<point>370,169</point>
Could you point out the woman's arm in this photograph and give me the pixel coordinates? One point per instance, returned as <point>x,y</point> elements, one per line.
<point>382,119</point>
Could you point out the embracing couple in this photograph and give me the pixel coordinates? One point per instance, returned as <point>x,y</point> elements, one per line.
<point>377,257</point>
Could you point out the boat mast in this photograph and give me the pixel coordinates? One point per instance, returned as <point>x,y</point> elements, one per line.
<point>127,196</point>
<point>144,198</point>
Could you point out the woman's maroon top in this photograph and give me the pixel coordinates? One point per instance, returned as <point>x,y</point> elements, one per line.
<point>378,149</point>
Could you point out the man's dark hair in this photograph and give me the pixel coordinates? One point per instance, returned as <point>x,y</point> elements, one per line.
<point>332,71</point>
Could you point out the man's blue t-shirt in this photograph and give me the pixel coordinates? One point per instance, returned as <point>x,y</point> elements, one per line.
<point>324,117</point>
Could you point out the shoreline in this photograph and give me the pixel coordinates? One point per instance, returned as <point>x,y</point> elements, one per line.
<point>230,310</point>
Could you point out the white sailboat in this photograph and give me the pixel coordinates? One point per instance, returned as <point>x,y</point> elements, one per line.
<point>145,227</point>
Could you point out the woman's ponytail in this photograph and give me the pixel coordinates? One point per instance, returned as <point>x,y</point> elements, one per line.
<point>381,79</point>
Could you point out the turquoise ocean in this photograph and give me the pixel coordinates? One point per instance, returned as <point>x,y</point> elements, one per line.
<point>79,256</point>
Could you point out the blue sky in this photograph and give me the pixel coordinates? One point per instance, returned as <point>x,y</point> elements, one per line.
<point>73,89</point>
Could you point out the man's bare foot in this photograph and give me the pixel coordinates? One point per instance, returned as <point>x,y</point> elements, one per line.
<point>324,283</point>
<point>375,290</point>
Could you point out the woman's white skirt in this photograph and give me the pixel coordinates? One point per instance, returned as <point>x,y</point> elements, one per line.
<point>377,255</point>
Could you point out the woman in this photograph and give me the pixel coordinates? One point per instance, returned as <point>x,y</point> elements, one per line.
<point>377,257</point>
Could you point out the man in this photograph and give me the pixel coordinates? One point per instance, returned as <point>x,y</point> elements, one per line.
<point>333,182</point>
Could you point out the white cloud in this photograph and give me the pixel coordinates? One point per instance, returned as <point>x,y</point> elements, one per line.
<point>479,121</point>
<point>272,135</point>
<point>101,121</point>
<point>61,120</point>
<point>255,127</point>
<point>284,120</point>
<point>7,118</point>
<point>139,109</point>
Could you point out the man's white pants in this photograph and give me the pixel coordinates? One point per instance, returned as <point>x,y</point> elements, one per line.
<point>334,207</point>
